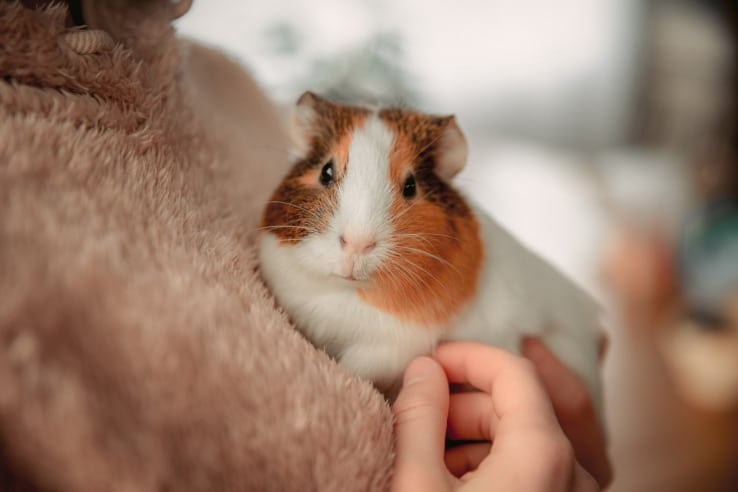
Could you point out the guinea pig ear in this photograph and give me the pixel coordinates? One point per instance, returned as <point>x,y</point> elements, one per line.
<point>304,117</point>
<point>451,151</point>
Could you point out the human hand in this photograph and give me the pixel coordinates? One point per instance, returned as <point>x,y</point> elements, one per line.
<point>573,408</point>
<point>526,449</point>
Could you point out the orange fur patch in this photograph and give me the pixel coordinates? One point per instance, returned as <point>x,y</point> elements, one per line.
<point>401,159</point>
<point>340,149</point>
<point>437,251</point>
<point>434,274</point>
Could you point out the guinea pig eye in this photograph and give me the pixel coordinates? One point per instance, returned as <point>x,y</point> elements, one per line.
<point>327,175</point>
<point>409,189</point>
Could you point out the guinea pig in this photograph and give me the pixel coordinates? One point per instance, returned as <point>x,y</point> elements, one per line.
<point>377,258</point>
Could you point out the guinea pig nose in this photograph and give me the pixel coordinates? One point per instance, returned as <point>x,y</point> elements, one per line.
<point>357,245</point>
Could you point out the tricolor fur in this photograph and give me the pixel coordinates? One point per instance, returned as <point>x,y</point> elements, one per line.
<point>374,153</point>
<point>376,257</point>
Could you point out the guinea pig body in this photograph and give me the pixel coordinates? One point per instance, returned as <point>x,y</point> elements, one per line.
<point>377,258</point>
<point>520,294</point>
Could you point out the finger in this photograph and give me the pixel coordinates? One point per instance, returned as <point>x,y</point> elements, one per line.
<point>566,390</point>
<point>574,410</point>
<point>465,458</point>
<point>527,430</point>
<point>603,345</point>
<point>518,396</point>
<point>420,413</point>
<point>583,481</point>
<point>471,417</point>
<point>531,457</point>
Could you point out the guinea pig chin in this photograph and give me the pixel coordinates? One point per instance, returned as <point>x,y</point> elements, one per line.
<point>353,266</point>
<point>323,256</point>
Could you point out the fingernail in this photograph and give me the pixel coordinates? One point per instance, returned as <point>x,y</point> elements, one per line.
<point>417,371</point>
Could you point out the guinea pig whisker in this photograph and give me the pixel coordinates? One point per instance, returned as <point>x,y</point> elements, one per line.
<point>417,200</point>
<point>406,278</point>
<point>397,260</point>
<point>426,147</point>
<point>423,270</point>
<point>414,270</point>
<point>281,150</point>
<point>429,255</point>
<point>282,226</point>
<point>403,279</point>
<point>290,204</point>
<point>409,273</point>
<point>414,236</point>
<point>424,238</point>
<point>269,228</point>
<point>461,179</point>
<point>423,234</point>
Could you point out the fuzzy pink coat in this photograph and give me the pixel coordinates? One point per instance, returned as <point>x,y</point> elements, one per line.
<point>139,349</point>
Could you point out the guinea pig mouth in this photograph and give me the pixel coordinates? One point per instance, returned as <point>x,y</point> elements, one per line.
<point>351,278</point>
<point>352,269</point>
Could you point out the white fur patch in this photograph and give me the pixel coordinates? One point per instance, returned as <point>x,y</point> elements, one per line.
<point>328,310</point>
<point>521,294</point>
<point>362,214</point>
<point>366,192</point>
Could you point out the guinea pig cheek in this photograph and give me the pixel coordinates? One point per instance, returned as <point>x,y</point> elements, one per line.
<point>323,255</point>
<point>318,254</point>
<point>428,276</point>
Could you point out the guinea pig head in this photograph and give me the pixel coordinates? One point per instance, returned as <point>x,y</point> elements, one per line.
<point>369,201</point>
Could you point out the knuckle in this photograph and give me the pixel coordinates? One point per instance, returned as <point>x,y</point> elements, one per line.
<point>409,408</point>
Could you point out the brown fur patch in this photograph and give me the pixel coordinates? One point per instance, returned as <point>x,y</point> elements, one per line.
<point>420,132</point>
<point>301,205</point>
<point>402,159</point>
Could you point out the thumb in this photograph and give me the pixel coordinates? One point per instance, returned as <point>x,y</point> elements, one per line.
<point>421,411</point>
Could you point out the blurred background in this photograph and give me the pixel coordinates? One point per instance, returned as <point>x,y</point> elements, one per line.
<point>603,134</point>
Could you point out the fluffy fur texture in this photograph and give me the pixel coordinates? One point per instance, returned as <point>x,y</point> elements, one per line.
<point>521,294</point>
<point>138,348</point>
<point>353,260</point>
<point>377,276</point>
